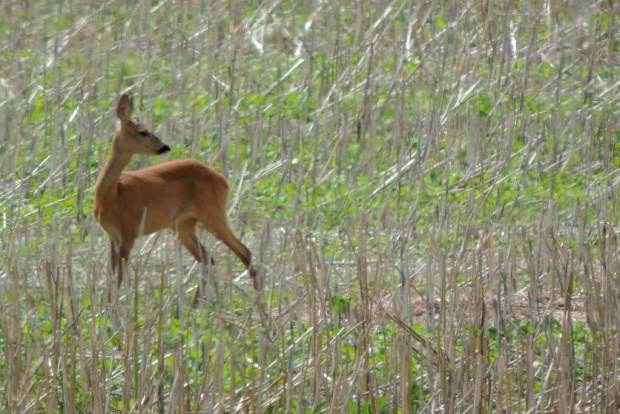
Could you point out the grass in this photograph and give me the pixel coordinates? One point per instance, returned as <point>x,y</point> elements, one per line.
<point>429,188</point>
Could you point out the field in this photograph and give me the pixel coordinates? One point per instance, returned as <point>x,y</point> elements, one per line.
<point>429,189</point>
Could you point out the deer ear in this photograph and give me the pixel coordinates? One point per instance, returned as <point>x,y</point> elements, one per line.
<point>125,106</point>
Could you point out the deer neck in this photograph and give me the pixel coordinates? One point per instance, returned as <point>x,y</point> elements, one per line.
<point>106,189</point>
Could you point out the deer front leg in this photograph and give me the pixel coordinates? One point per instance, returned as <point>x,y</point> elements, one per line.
<point>115,260</point>
<point>119,254</point>
<point>123,258</point>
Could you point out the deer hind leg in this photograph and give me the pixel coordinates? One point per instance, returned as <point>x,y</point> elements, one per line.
<point>186,232</point>
<point>221,229</point>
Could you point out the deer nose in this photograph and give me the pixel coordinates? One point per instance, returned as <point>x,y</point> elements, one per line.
<point>164,149</point>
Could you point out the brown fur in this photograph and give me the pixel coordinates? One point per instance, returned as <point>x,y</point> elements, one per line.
<point>175,195</point>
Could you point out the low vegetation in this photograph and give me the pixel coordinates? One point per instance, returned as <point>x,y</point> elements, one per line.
<point>429,190</point>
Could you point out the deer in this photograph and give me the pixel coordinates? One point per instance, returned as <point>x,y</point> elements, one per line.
<point>173,195</point>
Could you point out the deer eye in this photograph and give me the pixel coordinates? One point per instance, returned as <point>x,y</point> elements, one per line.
<point>144,133</point>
